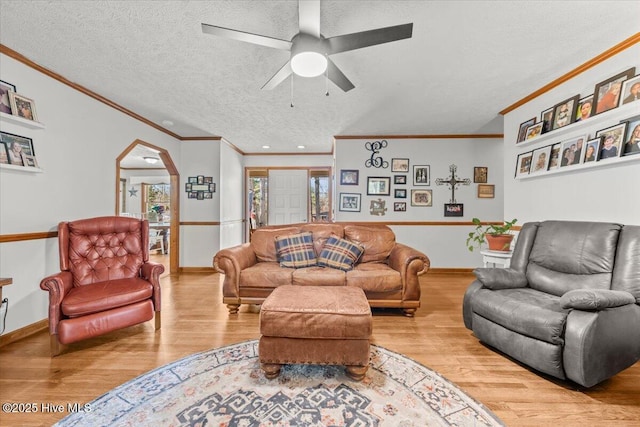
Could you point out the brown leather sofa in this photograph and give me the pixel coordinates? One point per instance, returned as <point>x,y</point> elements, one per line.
<point>387,271</point>
<point>106,281</point>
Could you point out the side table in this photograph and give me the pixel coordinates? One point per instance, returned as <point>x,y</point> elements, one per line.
<point>496,257</point>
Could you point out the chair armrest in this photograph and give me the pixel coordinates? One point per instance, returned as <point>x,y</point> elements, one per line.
<point>410,263</point>
<point>151,271</point>
<point>501,278</point>
<point>230,262</point>
<point>596,299</point>
<point>57,285</point>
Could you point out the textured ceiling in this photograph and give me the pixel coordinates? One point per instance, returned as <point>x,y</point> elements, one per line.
<point>467,60</point>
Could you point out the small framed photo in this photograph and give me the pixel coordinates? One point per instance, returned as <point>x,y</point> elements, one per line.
<point>399,206</point>
<point>606,94</point>
<point>399,165</point>
<point>23,107</point>
<point>200,179</point>
<point>350,202</point>
<point>193,195</point>
<point>632,138</point>
<point>378,186</point>
<point>29,161</point>
<point>421,175</point>
<point>612,138</point>
<point>533,131</point>
<point>572,151</point>
<point>523,164</point>
<point>592,150</point>
<point>523,129</point>
<point>486,191</point>
<point>5,102</point>
<point>545,118</point>
<point>4,155</point>
<point>400,193</point>
<point>630,90</point>
<point>400,179</point>
<point>17,147</point>
<point>208,195</point>
<point>585,108</point>
<point>212,187</point>
<point>564,113</point>
<point>187,187</point>
<point>480,174</point>
<point>208,179</point>
<point>193,179</point>
<point>554,157</point>
<point>349,176</point>
<point>540,160</point>
<point>453,209</point>
<point>421,197</point>
<point>200,195</point>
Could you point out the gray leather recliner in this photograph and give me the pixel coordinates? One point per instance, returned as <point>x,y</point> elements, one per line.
<point>569,305</point>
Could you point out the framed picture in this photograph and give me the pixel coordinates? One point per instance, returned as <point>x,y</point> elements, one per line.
<point>350,202</point>
<point>592,150</point>
<point>400,179</point>
<point>554,157</point>
<point>612,138</point>
<point>480,174</point>
<point>17,147</point>
<point>29,161</point>
<point>22,106</point>
<point>572,151</point>
<point>4,155</point>
<point>545,118</point>
<point>377,207</point>
<point>400,206</point>
<point>421,197</point>
<point>349,176</point>
<point>212,187</point>
<point>632,137</point>
<point>453,209</point>
<point>200,179</point>
<point>421,175</point>
<point>606,94</point>
<point>193,195</point>
<point>399,165</point>
<point>193,179</point>
<point>187,187</point>
<point>486,191</point>
<point>585,108</point>
<point>523,129</point>
<point>523,163</point>
<point>400,193</point>
<point>540,160</point>
<point>208,195</point>
<point>5,102</point>
<point>378,186</point>
<point>564,113</point>
<point>533,131</point>
<point>630,90</point>
<point>208,179</point>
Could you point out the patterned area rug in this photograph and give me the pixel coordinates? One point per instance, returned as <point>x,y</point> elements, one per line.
<point>226,387</point>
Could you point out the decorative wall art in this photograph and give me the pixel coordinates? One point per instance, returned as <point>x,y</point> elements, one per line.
<point>421,175</point>
<point>592,150</point>
<point>545,118</point>
<point>378,186</point>
<point>632,138</point>
<point>349,176</point>
<point>453,209</point>
<point>486,191</point>
<point>523,129</point>
<point>20,150</point>
<point>564,113</point>
<point>349,202</point>
<point>606,94</point>
<point>399,165</point>
<point>5,103</point>
<point>571,153</point>
<point>377,207</point>
<point>22,106</point>
<point>630,90</point>
<point>376,161</point>
<point>540,160</point>
<point>421,197</point>
<point>453,182</point>
<point>400,193</point>
<point>611,140</point>
<point>533,131</point>
<point>585,108</point>
<point>4,154</point>
<point>480,174</point>
<point>523,163</point>
<point>554,156</point>
<point>400,179</point>
<point>400,206</point>
<point>200,187</point>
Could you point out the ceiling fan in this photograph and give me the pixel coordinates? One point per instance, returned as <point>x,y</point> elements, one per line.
<point>310,51</point>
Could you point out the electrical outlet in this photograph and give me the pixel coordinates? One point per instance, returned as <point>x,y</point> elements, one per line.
<point>3,313</point>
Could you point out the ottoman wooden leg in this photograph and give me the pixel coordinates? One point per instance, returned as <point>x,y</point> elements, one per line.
<point>356,372</point>
<point>271,370</point>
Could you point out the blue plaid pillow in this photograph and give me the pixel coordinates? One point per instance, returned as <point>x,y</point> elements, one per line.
<point>340,253</point>
<point>296,250</point>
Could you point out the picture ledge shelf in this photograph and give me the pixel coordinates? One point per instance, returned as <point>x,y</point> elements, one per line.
<point>574,168</point>
<point>21,121</point>
<point>28,169</point>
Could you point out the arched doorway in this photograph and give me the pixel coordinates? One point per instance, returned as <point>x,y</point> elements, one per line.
<point>174,205</point>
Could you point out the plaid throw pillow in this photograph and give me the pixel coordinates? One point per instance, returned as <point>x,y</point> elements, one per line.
<point>296,250</point>
<point>339,253</point>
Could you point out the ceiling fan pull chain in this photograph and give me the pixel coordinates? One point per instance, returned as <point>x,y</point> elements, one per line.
<point>326,81</point>
<point>292,76</point>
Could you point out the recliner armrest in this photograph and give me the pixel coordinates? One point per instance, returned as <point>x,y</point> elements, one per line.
<point>58,285</point>
<point>500,278</point>
<point>596,299</point>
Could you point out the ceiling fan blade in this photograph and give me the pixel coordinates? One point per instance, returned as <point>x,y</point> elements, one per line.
<point>246,37</point>
<point>336,76</point>
<point>309,17</point>
<point>368,38</point>
<point>278,77</point>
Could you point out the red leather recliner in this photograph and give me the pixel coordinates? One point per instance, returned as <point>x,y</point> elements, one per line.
<point>106,281</point>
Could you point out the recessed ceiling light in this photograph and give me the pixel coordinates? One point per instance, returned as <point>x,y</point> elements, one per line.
<point>168,123</point>
<point>151,160</point>
<point>302,147</point>
<point>266,147</point>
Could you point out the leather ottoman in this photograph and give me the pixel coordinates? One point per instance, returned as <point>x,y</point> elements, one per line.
<point>328,325</point>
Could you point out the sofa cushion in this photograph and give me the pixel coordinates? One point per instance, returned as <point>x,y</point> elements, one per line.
<point>265,275</point>
<point>318,276</point>
<point>525,311</point>
<point>339,253</point>
<point>296,250</point>
<point>263,242</point>
<point>374,277</point>
<point>102,296</point>
<point>378,241</point>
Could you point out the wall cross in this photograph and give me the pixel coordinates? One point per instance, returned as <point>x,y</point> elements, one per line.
<point>453,182</point>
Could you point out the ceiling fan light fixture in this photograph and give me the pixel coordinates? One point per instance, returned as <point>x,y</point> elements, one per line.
<point>308,58</point>
<point>151,160</point>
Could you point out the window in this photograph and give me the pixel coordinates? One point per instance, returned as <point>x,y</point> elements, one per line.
<point>319,195</point>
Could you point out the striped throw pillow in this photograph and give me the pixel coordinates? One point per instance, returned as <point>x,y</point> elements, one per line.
<point>340,254</point>
<point>296,250</point>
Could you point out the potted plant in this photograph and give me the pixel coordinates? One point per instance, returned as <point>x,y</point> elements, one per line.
<point>498,237</point>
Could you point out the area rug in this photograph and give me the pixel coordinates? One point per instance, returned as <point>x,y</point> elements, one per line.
<point>226,387</point>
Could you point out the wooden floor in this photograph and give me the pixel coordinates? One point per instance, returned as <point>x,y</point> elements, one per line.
<point>193,320</point>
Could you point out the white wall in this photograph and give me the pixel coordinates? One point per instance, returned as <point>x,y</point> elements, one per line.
<point>601,193</point>
<point>78,151</point>
<point>232,193</point>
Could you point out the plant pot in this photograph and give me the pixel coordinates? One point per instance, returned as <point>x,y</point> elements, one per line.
<point>499,242</point>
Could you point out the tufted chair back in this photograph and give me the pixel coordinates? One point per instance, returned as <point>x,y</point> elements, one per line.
<point>104,248</point>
